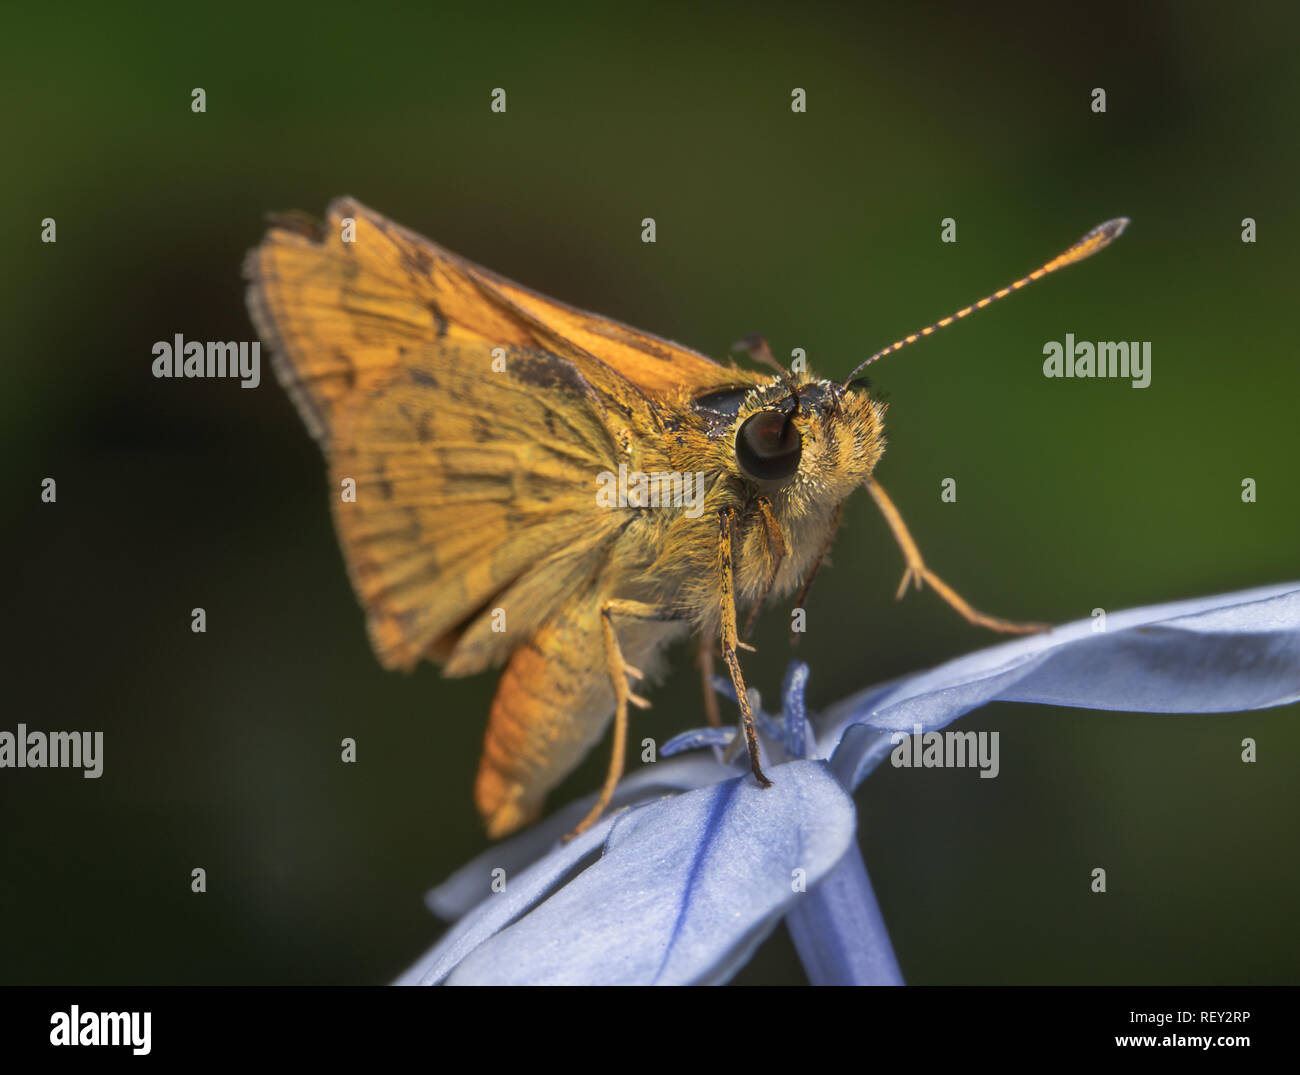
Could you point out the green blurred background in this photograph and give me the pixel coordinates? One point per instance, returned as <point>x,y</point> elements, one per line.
<point>822,231</point>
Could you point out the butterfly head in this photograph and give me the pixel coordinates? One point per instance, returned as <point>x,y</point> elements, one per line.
<point>798,438</point>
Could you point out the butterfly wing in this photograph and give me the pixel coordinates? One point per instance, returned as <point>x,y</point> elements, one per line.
<point>472,483</point>
<point>471,488</point>
<point>657,367</point>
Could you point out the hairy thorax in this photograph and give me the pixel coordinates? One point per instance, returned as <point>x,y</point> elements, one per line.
<point>779,529</point>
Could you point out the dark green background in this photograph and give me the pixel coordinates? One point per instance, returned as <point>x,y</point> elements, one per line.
<point>820,230</point>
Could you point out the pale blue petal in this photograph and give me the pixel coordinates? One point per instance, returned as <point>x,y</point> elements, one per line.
<point>839,932</point>
<point>686,889</point>
<point>1209,655</point>
<point>494,913</point>
<point>795,724</point>
<point>767,724</point>
<point>697,739</point>
<point>470,885</point>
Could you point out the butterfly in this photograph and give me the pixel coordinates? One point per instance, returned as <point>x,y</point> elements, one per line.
<point>520,483</point>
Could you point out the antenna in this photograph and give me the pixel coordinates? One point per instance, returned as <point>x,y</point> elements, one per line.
<point>1098,239</point>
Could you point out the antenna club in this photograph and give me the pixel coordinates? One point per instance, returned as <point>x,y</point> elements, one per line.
<point>1098,239</point>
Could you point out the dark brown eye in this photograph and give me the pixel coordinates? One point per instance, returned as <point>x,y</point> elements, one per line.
<point>768,446</point>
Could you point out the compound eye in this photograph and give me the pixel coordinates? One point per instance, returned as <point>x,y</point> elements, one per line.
<point>768,446</point>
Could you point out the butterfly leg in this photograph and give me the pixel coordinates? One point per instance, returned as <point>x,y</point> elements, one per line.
<point>916,572</point>
<point>731,642</point>
<point>619,670</point>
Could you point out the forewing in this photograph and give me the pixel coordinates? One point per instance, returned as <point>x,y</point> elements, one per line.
<point>469,297</point>
<point>474,486</point>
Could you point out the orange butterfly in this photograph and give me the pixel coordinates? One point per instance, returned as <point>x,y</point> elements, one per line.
<point>523,483</point>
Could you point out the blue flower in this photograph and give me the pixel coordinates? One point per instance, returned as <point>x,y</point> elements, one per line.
<point>694,865</point>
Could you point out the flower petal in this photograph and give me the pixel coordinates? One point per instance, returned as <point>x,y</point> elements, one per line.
<point>1208,655</point>
<point>696,739</point>
<point>839,932</point>
<point>497,911</point>
<point>795,723</point>
<point>470,885</point>
<point>686,889</point>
